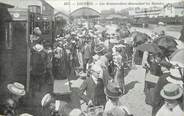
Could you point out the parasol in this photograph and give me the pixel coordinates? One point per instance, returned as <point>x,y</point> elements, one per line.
<point>140,38</point>
<point>150,47</point>
<point>167,42</point>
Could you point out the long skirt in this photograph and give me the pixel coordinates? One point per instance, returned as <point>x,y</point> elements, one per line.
<point>119,78</point>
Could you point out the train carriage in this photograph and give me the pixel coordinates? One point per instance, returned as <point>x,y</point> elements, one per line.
<point>17,25</point>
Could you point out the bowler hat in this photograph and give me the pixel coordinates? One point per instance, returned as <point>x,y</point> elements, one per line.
<point>171,91</point>
<point>113,91</point>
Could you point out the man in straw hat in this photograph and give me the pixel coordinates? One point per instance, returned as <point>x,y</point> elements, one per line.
<point>171,93</point>
<point>113,94</point>
<point>12,103</point>
<point>174,76</point>
<point>56,107</point>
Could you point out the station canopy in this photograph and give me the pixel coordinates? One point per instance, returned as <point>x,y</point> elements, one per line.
<point>85,12</point>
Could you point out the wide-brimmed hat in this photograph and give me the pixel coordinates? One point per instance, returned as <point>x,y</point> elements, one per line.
<point>16,88</point>
<point>171,91</point>
<point>38,47</point>
<point>113,91</point>
<point>46,99</point>
<point>99,48</point>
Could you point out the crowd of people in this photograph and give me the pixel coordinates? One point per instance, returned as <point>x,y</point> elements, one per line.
<point>101,55</point>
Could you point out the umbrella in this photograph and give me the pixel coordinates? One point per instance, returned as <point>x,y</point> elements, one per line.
<point>178,57</point>
<point>140,38</point>
<point>150,47</point>
<point>167,42</point>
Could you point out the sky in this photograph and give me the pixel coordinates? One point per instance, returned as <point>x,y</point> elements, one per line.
<point>63,5</point>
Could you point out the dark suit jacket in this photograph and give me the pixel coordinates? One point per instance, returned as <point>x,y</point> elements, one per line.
<point>93,92</point>
<point>86,51</point>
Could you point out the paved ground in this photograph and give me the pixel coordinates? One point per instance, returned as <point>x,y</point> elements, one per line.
<point>135,98</point>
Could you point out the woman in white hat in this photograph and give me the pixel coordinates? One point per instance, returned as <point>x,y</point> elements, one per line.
<point>171,93</point>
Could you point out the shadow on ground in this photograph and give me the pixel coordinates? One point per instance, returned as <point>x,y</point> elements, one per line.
<point>130,86</point>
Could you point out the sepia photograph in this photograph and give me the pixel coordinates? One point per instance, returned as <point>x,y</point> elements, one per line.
<point>91,58</point>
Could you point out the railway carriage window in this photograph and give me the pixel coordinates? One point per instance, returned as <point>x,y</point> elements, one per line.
<point>8,35</point>
<point>46,27</point>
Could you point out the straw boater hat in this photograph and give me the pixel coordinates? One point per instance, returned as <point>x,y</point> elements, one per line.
<point>171,91</point>
<point>16,88</point>
<point>38,47</point>
<point>46,99</point>
<point>113,91</point>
